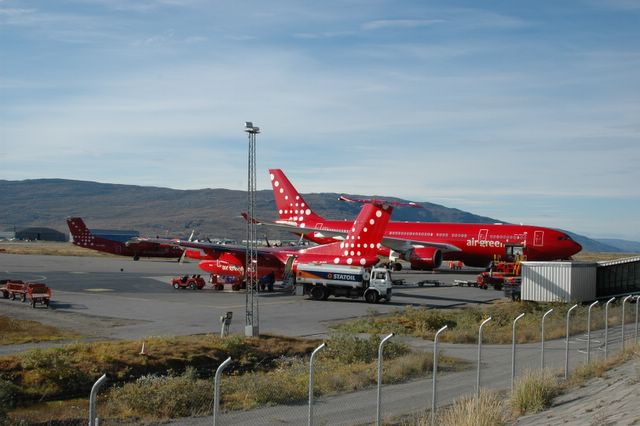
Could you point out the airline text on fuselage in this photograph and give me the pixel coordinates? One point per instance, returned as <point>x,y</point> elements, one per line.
<point>484,243</point>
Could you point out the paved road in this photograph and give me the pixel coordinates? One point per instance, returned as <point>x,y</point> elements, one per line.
<point>123,299</point>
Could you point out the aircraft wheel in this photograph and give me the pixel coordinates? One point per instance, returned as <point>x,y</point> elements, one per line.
<point>397,266</point>
<point>317,292</point>
<point>371,296</point>
<point>136,257</point>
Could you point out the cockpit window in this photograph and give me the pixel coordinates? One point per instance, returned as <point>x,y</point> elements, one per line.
<point>565,238</point>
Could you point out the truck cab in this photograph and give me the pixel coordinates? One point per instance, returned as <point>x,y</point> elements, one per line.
<point>379,286</point>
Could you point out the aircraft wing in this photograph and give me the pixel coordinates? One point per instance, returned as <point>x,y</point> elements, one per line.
<point>292,227</point>
<point>397,244</point>
<point>402,245</point>
<point>267,254</point>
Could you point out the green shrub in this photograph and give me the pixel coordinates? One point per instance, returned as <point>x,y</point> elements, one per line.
<point>9,395</point>
<point>163,396</point>
<point>53,372</point>
<point>351,349</point>
<point>287,383</point>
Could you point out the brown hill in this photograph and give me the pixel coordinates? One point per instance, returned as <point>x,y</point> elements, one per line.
<point>214,213</point>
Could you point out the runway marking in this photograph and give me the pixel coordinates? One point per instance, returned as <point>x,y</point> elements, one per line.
<point>79,273</point>
<point>98,290</point>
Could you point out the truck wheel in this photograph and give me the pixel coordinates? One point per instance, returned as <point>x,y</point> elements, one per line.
<point>33,303</point>
<point>23,297</point>
<point>12,296</point>
<point>5,294</point>
<point>371,296</point>
<point>317,292</point>
<point>46,303</point>
<point>192,286</point>
<point>176,286</point>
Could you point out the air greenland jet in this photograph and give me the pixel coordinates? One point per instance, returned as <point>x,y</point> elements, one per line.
<point>426,244</point>
<point>83,237</point>
<point>359,248</point>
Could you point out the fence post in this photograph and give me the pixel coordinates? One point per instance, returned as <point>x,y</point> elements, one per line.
<point>313,355</point>
<point>216,390</point>
<point>589,332</point>
<point>513,351</point>
<point>379,409</point>
<point>566,343</point>
<point>637,302</point>
<point>92,399</point>
<point>479,352</point>
<point>542,338</point>
<point>623,303</point>
<point>606,327</point>
<point>435,374</point>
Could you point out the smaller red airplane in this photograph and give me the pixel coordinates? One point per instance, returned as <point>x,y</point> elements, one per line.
<point>83,237</point>
<point>359,247</point>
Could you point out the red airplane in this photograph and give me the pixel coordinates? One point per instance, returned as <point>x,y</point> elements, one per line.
<point>82,237</point>
<point>426,244</point>
<point>359,247</point>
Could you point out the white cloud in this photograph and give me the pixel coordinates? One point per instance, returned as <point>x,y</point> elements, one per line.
<point>400,23</point>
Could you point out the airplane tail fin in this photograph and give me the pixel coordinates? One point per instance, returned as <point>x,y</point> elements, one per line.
<point>364,239</point>
<point>290,204</point>
<point>82,236</point>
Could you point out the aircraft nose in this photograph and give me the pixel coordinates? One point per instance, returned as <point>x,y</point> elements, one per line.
<point>576,248</point>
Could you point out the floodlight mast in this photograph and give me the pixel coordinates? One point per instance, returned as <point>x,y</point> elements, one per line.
<point>251,328</point>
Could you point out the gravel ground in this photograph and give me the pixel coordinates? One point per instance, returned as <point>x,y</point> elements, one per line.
<point>609,400</point>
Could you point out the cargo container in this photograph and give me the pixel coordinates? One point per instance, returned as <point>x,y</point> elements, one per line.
<point>558,281</point>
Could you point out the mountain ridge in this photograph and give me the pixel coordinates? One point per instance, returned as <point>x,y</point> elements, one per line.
<point>213,212</point>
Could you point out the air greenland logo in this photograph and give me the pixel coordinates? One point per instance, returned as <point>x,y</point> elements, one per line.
<point>484,243</point>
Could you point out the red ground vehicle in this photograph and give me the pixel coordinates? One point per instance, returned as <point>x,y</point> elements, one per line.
<point>500,274</point>
<point>193,282</point>
<point>35,293</point>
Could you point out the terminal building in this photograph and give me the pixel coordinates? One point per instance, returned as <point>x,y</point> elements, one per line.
<point>41,234</point>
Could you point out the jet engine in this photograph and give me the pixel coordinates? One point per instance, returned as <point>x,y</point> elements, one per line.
<point>424,258</point>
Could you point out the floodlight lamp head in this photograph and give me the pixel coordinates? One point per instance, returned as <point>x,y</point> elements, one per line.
<point>250,128</point>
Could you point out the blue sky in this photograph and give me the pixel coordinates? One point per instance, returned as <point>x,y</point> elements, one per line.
<point>524,111</point>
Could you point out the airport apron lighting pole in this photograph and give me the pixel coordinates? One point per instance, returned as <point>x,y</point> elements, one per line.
<point>251,328</point>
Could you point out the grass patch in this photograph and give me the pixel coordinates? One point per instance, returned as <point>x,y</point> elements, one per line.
<point>488,410</point>
<point>463,323</point>
<point>534,392</point>
<point>70,370</point>
<point>176,378</point>
<point>49,248</point>
<point>13,331</point>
